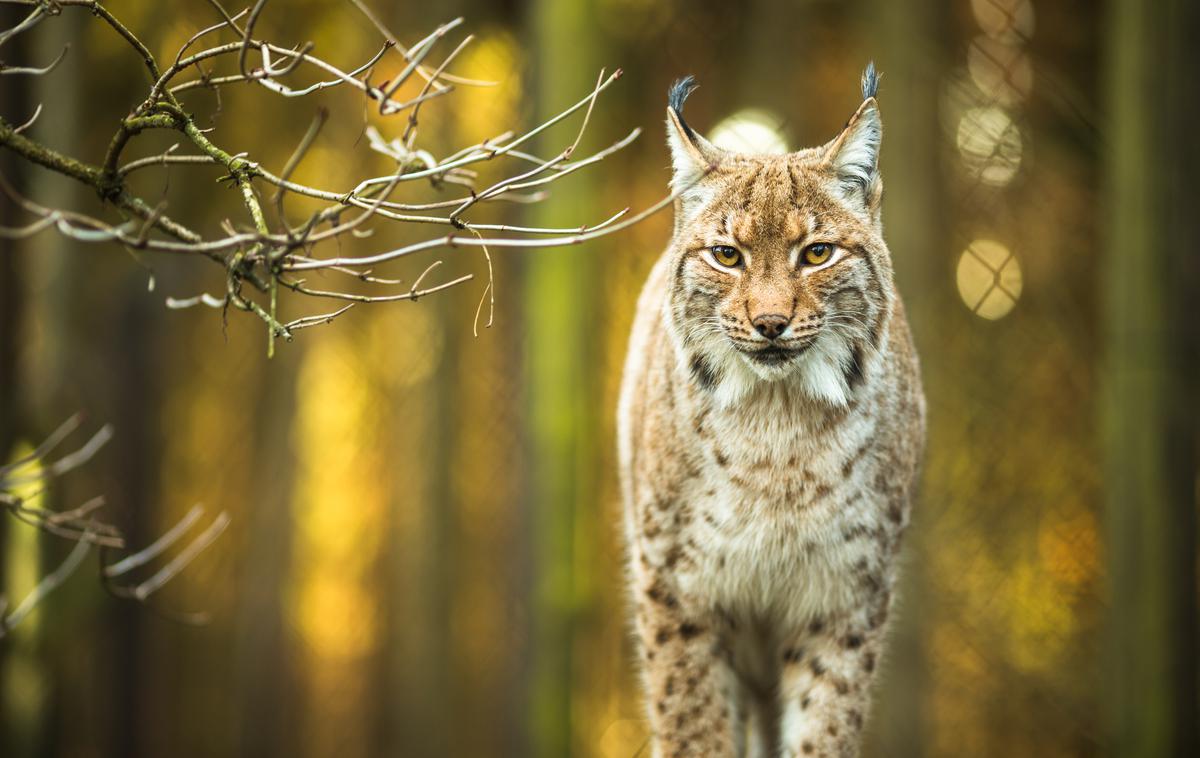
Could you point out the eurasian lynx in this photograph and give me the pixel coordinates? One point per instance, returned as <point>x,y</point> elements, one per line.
<point>771,428</point>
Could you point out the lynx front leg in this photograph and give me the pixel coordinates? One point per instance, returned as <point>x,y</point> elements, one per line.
<point>826,688</point>
<point>690,689</point>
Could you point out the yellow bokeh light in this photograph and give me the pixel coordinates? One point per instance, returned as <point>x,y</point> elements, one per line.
<point>337,617</point>
<point>1042,620</point>
<point>1004,19</point>
<point>22,553</point>
<point>990,145</point>
<point>623,738</point>
<point>750,131</point>
<point>335,547</point>
<point>1001,71</point>
<point>494,56</point>
<point>1069,549</point>
<point>989,278</point>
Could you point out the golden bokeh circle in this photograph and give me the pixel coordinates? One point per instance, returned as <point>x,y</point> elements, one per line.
<point>989,279</point>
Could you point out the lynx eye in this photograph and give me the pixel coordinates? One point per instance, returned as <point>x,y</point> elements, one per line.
<point>815,255</point>
<point>727,256</point>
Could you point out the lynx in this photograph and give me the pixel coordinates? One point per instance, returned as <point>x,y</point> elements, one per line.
<point>771,426</point>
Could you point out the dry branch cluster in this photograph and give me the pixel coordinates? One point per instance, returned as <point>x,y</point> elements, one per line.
<point>25,481</point>
<point>267,251</point>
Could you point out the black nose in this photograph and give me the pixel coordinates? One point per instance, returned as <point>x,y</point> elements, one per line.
<point>771,325</point>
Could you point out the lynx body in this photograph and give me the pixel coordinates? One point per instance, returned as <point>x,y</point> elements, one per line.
<point>771,425</point>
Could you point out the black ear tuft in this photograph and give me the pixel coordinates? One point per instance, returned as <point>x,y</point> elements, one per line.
<point>870,81</point>
<point>679,93</point>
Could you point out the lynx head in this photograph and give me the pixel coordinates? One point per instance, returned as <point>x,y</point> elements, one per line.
<point>779,270</point>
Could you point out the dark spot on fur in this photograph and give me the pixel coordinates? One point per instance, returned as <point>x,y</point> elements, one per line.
<point>805,702</point>
<point>704,374</point>
<point>841,686</point>
<point>878,618</point>
<point>816,627</point>
<point>806,748</point>
<point>817,667</point>
<point>854,369</point>
<point>853,641</point>
<point>662,596</point>
<point>793,654</point>
<point>689,631</point>
<point>673,556</point>
<point>855,532</point>
<point>853,460</point>
<point>832,730</point>
<point>871,582</point>
<point>856,719</point>
<point>869,662</point>
<point>663,635</point>
<point>722,461</point>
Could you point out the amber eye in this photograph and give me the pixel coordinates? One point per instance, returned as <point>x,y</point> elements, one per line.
<point>815,255</point>
<point>727,256</point>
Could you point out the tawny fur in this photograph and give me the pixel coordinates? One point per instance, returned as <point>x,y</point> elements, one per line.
<point>766,493</point>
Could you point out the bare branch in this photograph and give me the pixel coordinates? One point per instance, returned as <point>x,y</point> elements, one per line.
<point>26,480</point>
<point>260,259</point>
<point>33,70</point>
<point>49,583</point>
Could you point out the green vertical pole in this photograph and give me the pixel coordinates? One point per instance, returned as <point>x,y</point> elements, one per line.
<point>560,300</point>
<point>1151,406</point>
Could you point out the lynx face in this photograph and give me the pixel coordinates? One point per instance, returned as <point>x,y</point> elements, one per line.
<point>780,273</point>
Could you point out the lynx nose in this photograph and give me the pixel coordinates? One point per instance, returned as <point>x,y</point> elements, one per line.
<point>771,325</point>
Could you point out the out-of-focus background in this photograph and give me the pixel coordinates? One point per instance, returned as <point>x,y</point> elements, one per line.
<point>424,555</point>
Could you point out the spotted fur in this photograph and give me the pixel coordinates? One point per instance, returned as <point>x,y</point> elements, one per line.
<point>771,426</point>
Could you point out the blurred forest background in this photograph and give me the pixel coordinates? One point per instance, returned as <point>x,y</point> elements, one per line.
<point>424,556</point>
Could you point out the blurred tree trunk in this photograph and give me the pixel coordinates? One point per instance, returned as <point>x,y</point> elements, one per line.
<point>560,295</point>
<point>1152,374</point>
<point>908,41</point>
<point>263,698</point>
<point>14,99</point>
<point>36,381</point>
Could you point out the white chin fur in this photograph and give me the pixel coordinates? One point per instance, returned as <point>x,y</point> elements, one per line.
<point>819,372</point>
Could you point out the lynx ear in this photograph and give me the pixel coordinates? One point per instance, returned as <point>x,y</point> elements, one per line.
<point>692,156</point>
<point>853,157</point>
